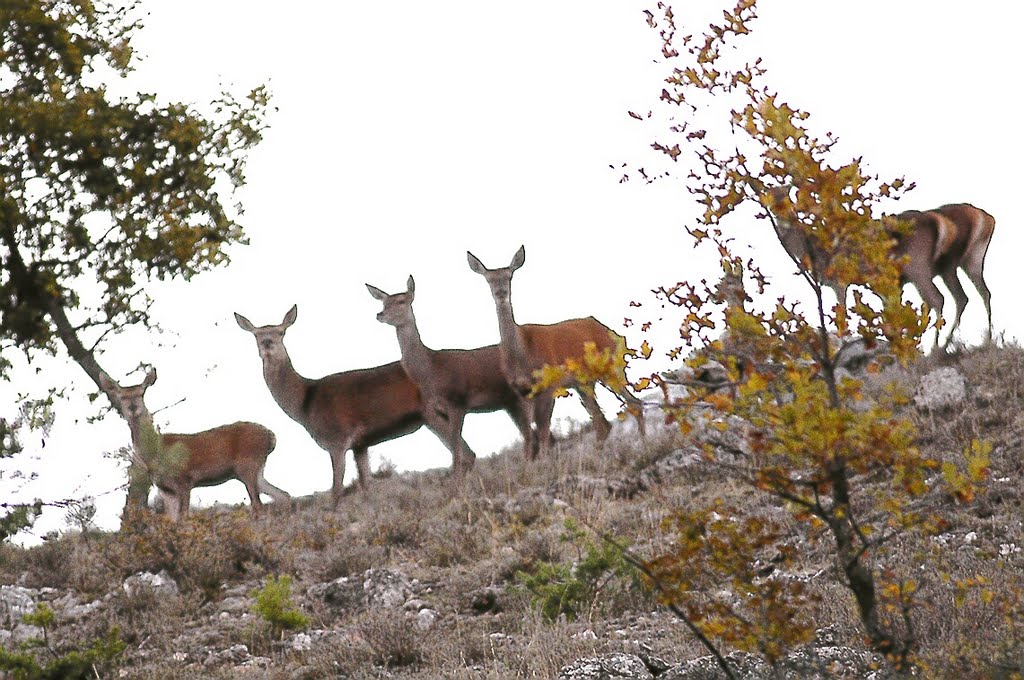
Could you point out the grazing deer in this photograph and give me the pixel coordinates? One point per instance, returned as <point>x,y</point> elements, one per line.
<point>452,382</point>
<point>236,451</point>
<point>939,242</point>
<point>351,410</point>
<point>527,348</point>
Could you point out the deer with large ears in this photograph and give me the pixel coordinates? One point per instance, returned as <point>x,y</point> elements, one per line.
<point>527,348</point>
<point>350,410</point>
<point>940,242</point>
<point>236,451</point>
<point>453,382</point>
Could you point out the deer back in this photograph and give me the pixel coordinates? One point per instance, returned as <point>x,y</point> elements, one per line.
<point>381,403</point>
<point>473,378</point>
<point>218,454</point>
<point>554,343</point>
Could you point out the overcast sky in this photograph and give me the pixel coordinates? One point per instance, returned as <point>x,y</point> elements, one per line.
<point>408,132</point>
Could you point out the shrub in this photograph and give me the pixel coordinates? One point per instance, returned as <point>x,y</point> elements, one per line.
<point>571,589</point>
<point>275,606</point>
<point>97,660</point>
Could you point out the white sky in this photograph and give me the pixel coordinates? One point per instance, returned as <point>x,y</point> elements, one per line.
<point>409,132</point>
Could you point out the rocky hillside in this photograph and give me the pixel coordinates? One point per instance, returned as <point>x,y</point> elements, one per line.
<point>503,576</point>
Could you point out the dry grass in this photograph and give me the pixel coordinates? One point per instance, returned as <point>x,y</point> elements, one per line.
<point>509,517</point>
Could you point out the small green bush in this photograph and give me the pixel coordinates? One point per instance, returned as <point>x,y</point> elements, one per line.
<point>275,606</point>
<point>570,589</point>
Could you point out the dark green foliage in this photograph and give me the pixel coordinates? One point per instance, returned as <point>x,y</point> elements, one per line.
<point>77,664</point>
<point>571,589</point>
<point>99,195</point>
<point>18,516</point>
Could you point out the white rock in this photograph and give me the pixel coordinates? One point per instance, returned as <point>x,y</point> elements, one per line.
<point>941,389</point>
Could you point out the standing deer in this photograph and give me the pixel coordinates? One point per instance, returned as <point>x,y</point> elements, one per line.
<point>939,242</point>
<point>452,382</point>
<point>351,410</point>
<point>236,451</point>
<point>527,348</point>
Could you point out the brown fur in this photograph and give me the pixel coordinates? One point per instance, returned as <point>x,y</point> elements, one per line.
<point>555,343</point>
<point>941,241</point>
<point>453,382</point>
<point>236,451</point>
<point>349,410</point>
<point>526,348</point>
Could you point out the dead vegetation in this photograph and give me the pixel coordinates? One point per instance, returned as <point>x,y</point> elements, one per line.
<point>471,551</point>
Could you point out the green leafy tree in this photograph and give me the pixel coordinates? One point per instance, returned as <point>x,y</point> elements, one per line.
<point>102,194</point>
<point>845,467</point>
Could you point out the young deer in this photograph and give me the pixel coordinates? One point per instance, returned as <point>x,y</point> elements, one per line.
<point>236,451</point>
<point>452,382</point>
<point>351,410</point>
<point>526,348</point>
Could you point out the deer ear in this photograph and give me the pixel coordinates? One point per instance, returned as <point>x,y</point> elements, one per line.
<point>244,323</point>
<point>377,293</point>
<point>150,377</point>
<point>410,288</point>
<point>518,259</point>
<point>290,317</point>
<point>475,264</point>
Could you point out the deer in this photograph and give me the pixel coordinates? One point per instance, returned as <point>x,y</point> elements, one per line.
<point>236,451</point>
<point>524,349</point>
<point>349,410</point>
<point>939,243</point>
<point>452,382</point>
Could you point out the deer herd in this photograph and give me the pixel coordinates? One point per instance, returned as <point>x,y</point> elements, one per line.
<point>354,410</point>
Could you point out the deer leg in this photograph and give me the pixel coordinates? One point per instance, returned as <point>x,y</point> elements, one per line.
<point>952,282</point>
<point>974,268</point>
<point>586,394</point>
<point>338,452</point>
<point>446,423</point>
<point>184,500</point>
<point>162,502</point>
<point>544,406</point>
<point>467,457</point>
<point>537,437</point>
<point>279,495</point>
<point>931,295</point>
<point>252,486</point>
<point>363,474</point>
<point>463,457</point>
<point>634,407</point>
<point>520,415</point>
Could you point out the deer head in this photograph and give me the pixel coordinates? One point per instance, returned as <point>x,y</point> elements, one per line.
<point>397,310</point>
<point>500,280</point>
<point>129,401</point>
<point>270,339</point>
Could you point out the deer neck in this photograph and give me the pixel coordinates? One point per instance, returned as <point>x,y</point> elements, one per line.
<point>138,428</point>
<point>417,358</point>
<point>512,347</point>
<point>286,386</point>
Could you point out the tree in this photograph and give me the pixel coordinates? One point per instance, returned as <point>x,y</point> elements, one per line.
<point>844,466</point>
<point>101,195</point>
